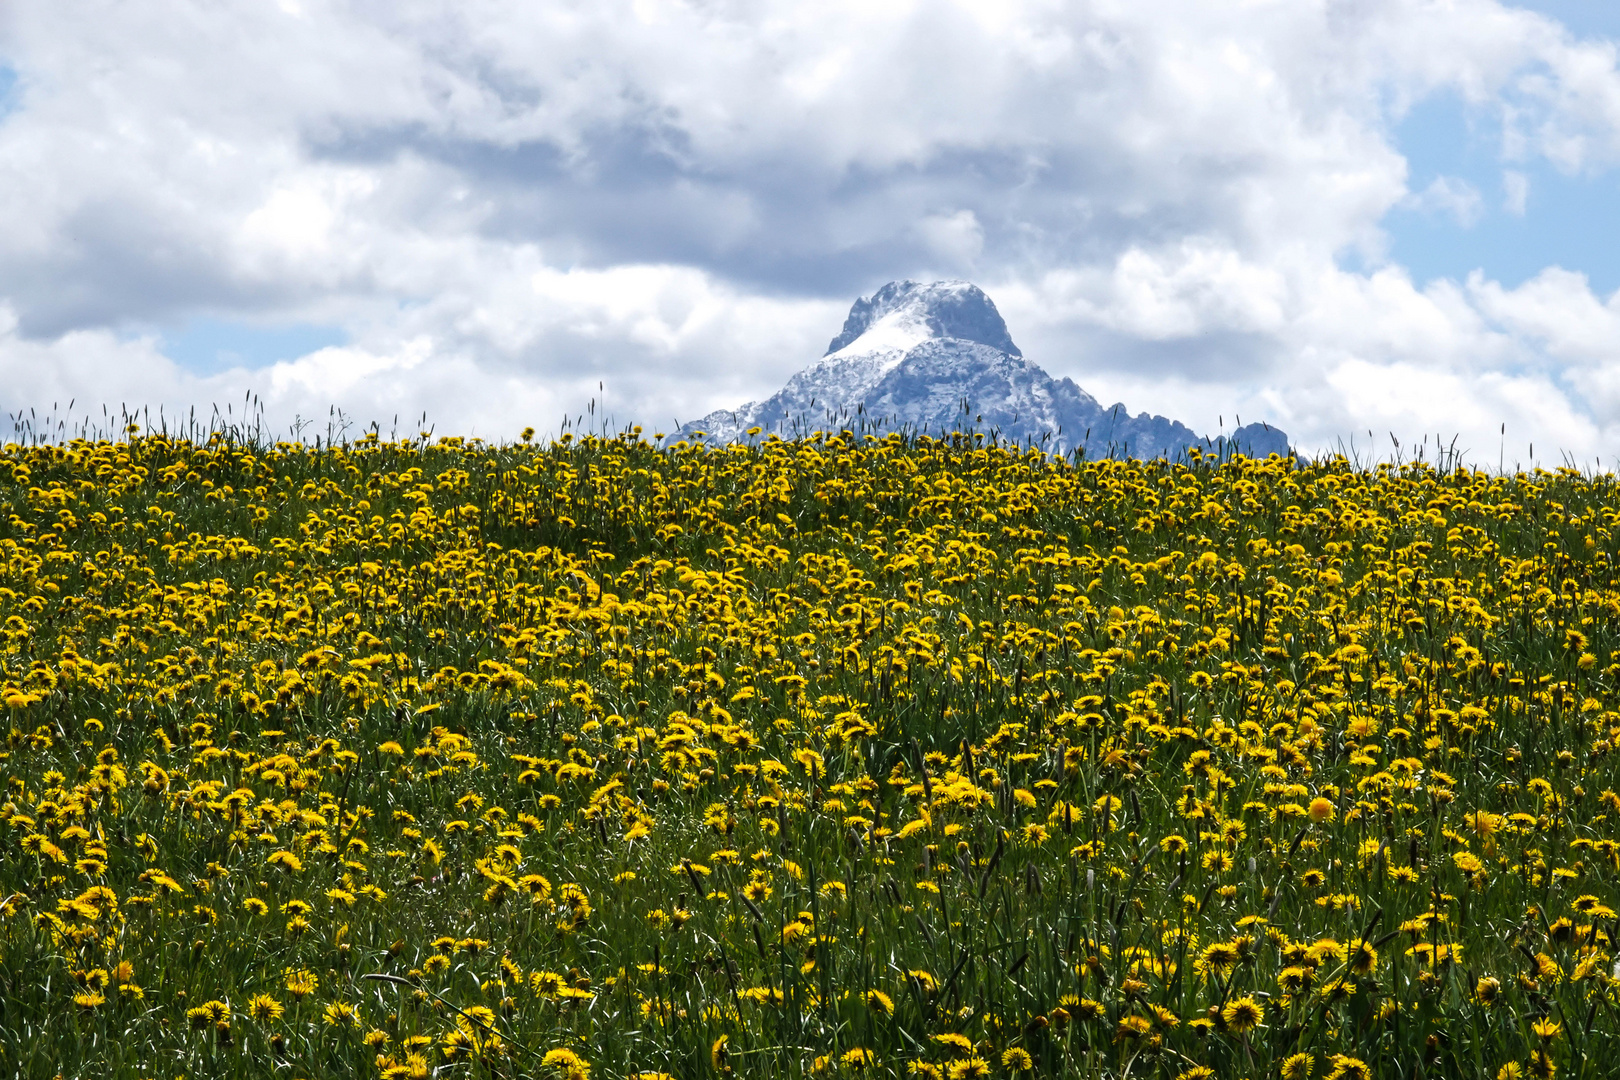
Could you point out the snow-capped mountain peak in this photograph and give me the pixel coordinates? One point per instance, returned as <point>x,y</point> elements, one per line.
<point>898,332</point>
<point>937,357</point>
<point>903,314</point>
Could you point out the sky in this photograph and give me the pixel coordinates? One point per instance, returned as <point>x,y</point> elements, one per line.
<point>1363,221</point>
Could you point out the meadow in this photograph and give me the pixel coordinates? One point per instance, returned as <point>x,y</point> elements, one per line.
<point>853,756</point>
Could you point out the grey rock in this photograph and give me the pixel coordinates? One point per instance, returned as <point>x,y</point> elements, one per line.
<point>950,309</point>
<point>937,358</point>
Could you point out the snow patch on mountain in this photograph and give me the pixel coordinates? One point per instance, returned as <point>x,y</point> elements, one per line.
<point>903,314</point>
<point>937,358</point>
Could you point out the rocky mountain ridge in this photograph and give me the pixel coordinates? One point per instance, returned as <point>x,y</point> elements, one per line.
<point>937,358</point>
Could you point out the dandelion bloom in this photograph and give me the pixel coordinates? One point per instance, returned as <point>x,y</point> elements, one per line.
<point>301,983</point>
<point>1346,1067</point>
<point>566,1062</point>
<point>341,1014</point>
<point>857,1060</point>
<point>1241,1014</point>
<point>264,1007</point>
<point>1296,1067</point>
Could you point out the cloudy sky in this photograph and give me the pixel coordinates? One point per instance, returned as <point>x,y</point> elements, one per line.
<point>1341,216</point>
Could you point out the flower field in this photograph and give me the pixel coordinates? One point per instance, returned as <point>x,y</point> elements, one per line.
<point>852,756</point>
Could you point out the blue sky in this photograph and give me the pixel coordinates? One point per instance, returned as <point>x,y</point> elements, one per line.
<point>1529,216</point>
<point>496,212</point>
<point>8,90</point>
<point>207,345</point>
<point>1555,218</point>
<point>1568,219</point>
<point>1587,18</point>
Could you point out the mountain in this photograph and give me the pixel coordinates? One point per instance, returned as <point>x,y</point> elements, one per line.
<point>937,358</point>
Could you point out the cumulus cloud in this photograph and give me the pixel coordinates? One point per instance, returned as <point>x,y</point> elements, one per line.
<point>510,210</point>
<point>957,238</point>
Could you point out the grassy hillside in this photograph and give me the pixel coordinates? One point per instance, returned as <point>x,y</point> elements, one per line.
<point>839,757</point>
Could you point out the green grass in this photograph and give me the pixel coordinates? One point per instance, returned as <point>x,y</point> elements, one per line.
<point>861,756</point>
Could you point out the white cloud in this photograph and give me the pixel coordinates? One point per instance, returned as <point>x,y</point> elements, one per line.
<point>1450,196</point>
<point>957,239</point>
<point>503,206</point>
<point>1515,192</point>
<point>1557,310</point>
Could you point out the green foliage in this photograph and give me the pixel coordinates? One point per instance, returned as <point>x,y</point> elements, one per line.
<point>848,756</point>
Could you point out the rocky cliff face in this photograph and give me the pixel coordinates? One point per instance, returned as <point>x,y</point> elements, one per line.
<point>937,358</point>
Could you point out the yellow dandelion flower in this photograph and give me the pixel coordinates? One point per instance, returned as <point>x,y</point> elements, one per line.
<point>1241,1014</point>
<point>264,1007</point>
<point>301,982</point>
<point>1016,1059</point>
<point>1296,1067</point>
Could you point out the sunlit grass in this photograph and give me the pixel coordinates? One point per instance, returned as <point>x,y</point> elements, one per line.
<point>849,756</point>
